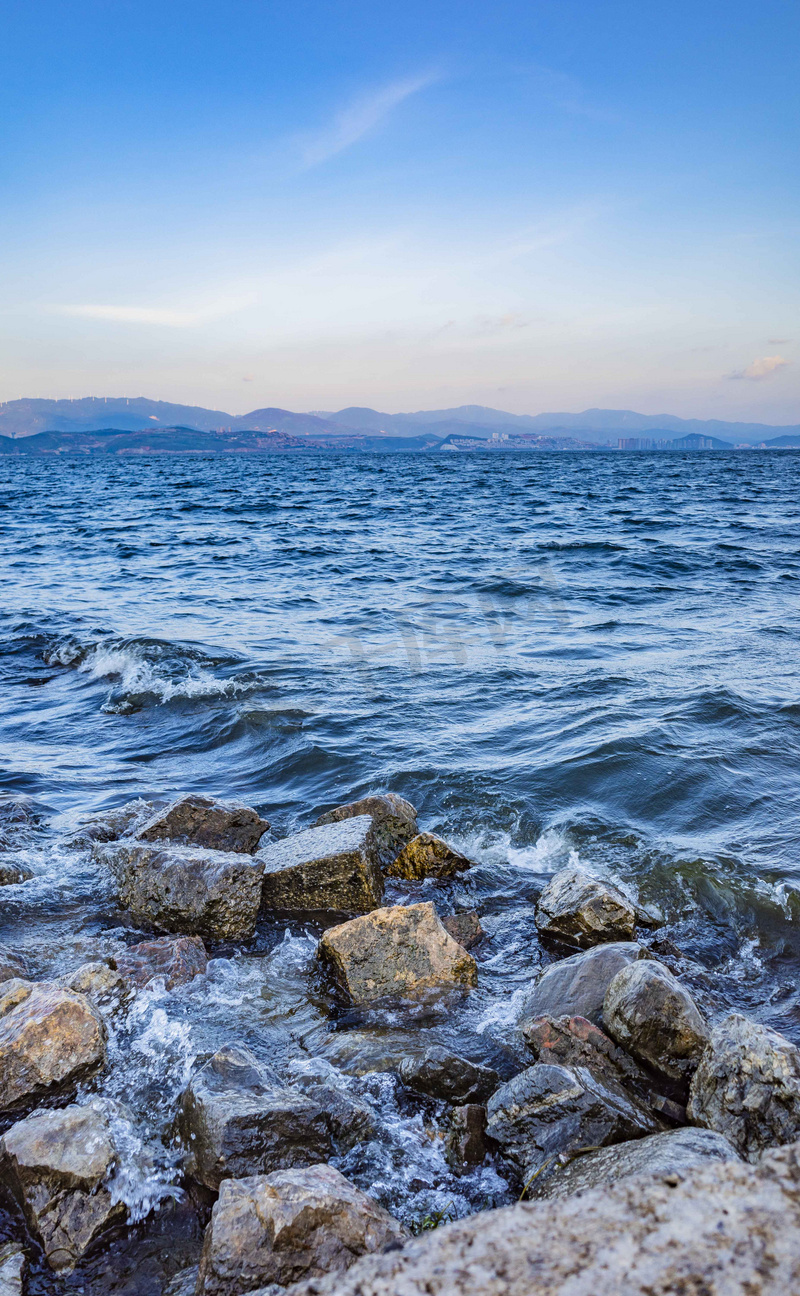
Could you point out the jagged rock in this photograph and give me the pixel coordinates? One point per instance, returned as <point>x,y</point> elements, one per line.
<point>465,1145</point>
<point>581,910</point>
<point>236,1119</point>
<point>574,1041</point>
<point>549,1111</point>
<point>464,928</point>
<point>50,1038</point>
<point>184,1283</point>
<point>394,822</point>
<point>12,1269</point>
<point>282,1227</point>
<point>202,821</point>
<point>122,821</point>
<point>747,1086</point>
<point>349,1121</point>
<point>175,959</point>
<point>442,1074</point>
<point>427,855</point>
<point>331,868</point>
<point>12,965</point>
<point>649,1012</point>
<point>56,1164</point>
<point>189,889</point>
<point>395,953</point>
<point>576,986</point>
<point>726,1229</point>
<point>11,874</point>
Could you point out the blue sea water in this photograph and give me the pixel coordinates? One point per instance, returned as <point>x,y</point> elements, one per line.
<point>555,657</point>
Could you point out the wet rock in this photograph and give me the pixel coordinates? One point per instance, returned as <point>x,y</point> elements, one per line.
<point>549,1111</point>
<point>427,855</point>
<point>726,1229</point>
<point>464,928</point>
<point>174,959</point>
<point>395,953</point>
<point>56,1164</point>
<point>103,985</point>
<point>202,821</point>
<point>17,817</point>
<point>576,986</point>
<point>574,1041</point>
<point>582,910</point>
<point>394,822</point>
<point>285,1226</point>
<point>442,1074</point>
<point>671,1153</point>
<point>236,1119</point>
<point>188,889</point>
<point>466,1144</point>
<point>360,1052</point>
<point>50,1038</point>
<point>12,965</point>
<point>649,1012</point>
<point>11,874</point>
<point>349,1121</point>
<point>333,868</point>
<point>747,1086</point>
<point>12,1269</point>
<point>184,1283</point>
<point>122,821</point>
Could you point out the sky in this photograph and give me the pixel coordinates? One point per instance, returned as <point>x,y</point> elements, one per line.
<point>533,206</point>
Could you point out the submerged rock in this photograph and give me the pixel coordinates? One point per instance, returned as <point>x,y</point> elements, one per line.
<point>394,822</point>
<point>331,868</point>
<point>12,965</point>
<point>281,1227</point>
<point>236,1119</point>
<point>202,821</point>
<point>50,1038</point>
<point>466,1144</point>
<point>101,983</point>
<point>189,889</point>
<point>582,910</point>
<point>12,1269</point>
<point>464,928</point>
<point>747,1086</point>
<point>11,874</point>
<point>576,986</point>
<point>427,855</point>
<point>395,953</point>
<point>442,1074</point>
<point>56,1164</point>
<point>649,1012</point>
<point>176,959</point>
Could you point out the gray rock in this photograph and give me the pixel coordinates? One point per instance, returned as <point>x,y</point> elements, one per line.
<point>122,821</point>
<point>727,1229</point>
<point>56,1164</point>
<point>50,1038</point>
<point>581,910</point>
<point>236,1119</point>
<point>394,822</point>
<point>12,965</point>
<point>349,1121</point>
<point>649,1012</point>
<point>176,960</point>
<point>466,1145</point>
<point>576,986</point>
<point>547,1112</point>
<point>184,1283</point>
<point>464,928</point>
<point>747,1086</point>
<point>333,868</point>
<point>428,856</point>
<point>442,1074</point>
<point>12,1269</point>
<point>671,1153</point>
<point>203,821</point>
<point>188,889</point>
<point>12,874</point>
<point>282,1227</point>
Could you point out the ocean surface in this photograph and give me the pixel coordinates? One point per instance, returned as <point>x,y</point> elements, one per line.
<point>557,658</point>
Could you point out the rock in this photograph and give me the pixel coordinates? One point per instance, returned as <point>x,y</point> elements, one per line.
<point>282,1227</point>
<point>442,1074</point>
<point>464,928</point>
<point>236,1119</point>
<point>394,822</point>
<point>574,1041</point>
<point>12,965</point>
<point>50,1038</point>
<point>189,889</point>
<point>747,1086</point>
<point>11,874</point>
<point>395,953</point>
<point>175,959</point>
<point>649,1012</point>
<point>56,1164</point>
<point>12,1269</point>
<point>548,1111</point>
<point>184,1283</point>
<point>103,985</point>
<point>201,821</point>
<point>427,855</point>
<point>581,910</point>
<point>122,821</point>
<point>349,1121</point>
<point>466,1145</point>
<point>576,986</point>
<point>726,1229</point>
<point>331,868</point>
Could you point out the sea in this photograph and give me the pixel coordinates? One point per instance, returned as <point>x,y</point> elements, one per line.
<point>559,658</point>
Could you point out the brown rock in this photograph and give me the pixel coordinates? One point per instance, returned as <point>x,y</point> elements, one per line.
<point>12,965</point>
<point>102,984</point>
<point>11,874</point>
<point>574,1041</point>
<point>464,928</point>
<point>50,1038</point>
<point>427,855</point>
<point>394,822</point>
<point>466,1144</point>
<point>649,1012</point>
<point>581,910</point>
<point>332,868</point>
<point>201,821</point>
<point>176,959</point>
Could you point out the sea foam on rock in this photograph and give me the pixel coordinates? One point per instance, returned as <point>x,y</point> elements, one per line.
<point>333,868</point>
<point>576,986</point>
<point>50,1038</point>
<point>174,959</point>
<point>394,822</point>
<point>203,821</point>
<point>582,910</point>
<point>649,1013</point>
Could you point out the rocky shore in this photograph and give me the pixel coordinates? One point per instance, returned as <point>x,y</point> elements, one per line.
<point>650,1142</point>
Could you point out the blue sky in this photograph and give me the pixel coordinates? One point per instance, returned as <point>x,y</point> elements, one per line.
<point>531,206</point>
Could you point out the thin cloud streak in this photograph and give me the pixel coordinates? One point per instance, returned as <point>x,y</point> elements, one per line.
<point>354,122</point>
<point>764,367</point>
<point>163,316</point>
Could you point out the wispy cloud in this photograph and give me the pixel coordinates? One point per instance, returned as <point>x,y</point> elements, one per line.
<point>164,316</point>
<point>764,367</point>
<point>359,118</point>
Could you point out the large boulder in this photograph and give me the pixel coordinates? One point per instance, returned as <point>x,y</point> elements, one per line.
<point>747,1086</point>
<point>576,986</point>
<point>189,889</point>
<point>574,1041</point>
<point>547,1113</point>
<point>50,1038</point>
<point>281,1227</point>
<point>396,953</point>
<point>582,910</point>
<point>202,821</point>
<point>333,868</point>
<point>427,855</point>
<point>236,1119</point>
<point>649,1012</point>
<point>56,1164</point>
<point>174,959</point>
<point>726,1229</point>
<point>12,965</point>
<point>394,822</point>
<point>439,1073</point>
<point>12,1269</point>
